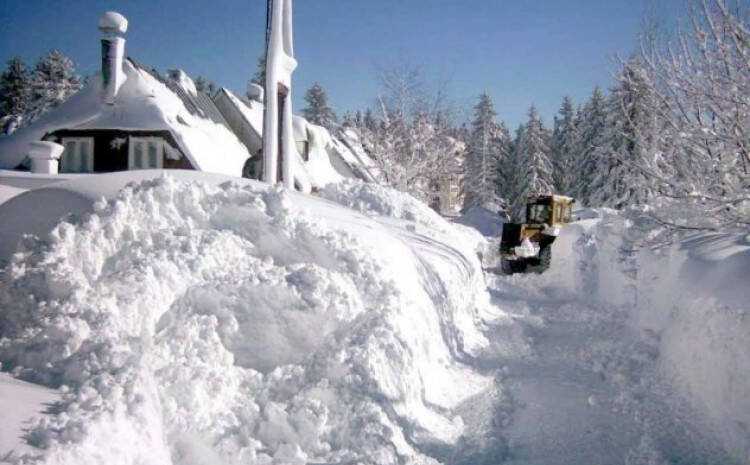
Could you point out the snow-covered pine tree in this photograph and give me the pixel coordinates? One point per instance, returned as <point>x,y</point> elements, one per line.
<point>592,126</point>
<point>534,165</point>
<point>565,145</point>
<point>482,166</point>
<point>509,168</point>
<point>15,88</point>
<point>505,158</point>
<point>53,82</point>
<point>626,163</point>
<point>317,111</point>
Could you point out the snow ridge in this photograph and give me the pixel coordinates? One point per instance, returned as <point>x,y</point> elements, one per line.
<point>193,324</point>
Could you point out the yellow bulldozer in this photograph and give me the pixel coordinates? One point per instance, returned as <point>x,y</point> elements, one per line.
<point>527,247</point>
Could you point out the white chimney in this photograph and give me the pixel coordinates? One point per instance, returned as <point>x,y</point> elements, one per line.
<point>113,26</point>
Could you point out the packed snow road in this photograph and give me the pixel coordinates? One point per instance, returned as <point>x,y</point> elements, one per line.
<point>595,386</point>
<point>589,391</point>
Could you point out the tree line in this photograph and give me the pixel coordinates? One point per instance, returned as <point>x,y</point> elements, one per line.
<point>26,94</point>
<point>671,137</point>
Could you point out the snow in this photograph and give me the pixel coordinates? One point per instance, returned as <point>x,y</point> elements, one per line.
<point>183,80</point>
<point>488,219</point>
<point>8,192</point>
<point>198,319</point>
<point>143,103</point>
<point>527,249</point>
<point>20,403</point>
<point>349,146</point>
<point>114,22</point>
<point>639,350</point>
<point>252,111</point>
<point>319,164</point>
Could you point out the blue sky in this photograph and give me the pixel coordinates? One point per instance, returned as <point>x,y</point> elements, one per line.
<point>521,52</point>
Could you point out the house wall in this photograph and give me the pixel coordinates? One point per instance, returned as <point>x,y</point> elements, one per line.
<point>111,147</point>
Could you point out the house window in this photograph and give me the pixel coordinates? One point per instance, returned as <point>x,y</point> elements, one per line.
<point>146,153</point>
<point>78,156</point>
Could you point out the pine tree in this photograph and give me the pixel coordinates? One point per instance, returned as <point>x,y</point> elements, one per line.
<point>625,161</point>
<point>593,121</point>
<point>15,88</point>
<point>510,167</point>
<point>53,82</point>
<point>504,183</point>
<point>565,144</point>
<point>535,174</point>
<point>317,111</point>
<point>483,158</point>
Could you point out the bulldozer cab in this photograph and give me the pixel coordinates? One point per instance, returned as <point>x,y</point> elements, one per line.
<point>550,210</point>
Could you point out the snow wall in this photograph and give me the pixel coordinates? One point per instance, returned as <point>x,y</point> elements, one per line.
<point>691,301</point>
<point>217,322</point>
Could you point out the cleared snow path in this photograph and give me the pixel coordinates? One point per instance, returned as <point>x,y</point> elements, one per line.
<point>589,391</point>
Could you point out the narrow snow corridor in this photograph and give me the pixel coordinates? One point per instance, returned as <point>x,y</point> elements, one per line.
<point>587,392</point>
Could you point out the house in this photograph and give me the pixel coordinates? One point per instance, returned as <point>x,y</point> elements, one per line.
<point>321,158</point>
<point>129,117</point>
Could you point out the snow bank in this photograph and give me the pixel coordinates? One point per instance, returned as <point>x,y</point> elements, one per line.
<point>8,192</point>
<point>375,200</point>
<point>691,300</point>
<point>208,322</point>
<point>487,219</point>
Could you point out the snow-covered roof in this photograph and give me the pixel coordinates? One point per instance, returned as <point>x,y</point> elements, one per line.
<point>329,159</point>
<point>144,102</point>
<point>252,112</point>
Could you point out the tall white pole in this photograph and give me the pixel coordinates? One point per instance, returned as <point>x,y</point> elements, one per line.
<point>271,118</point>
<point>277,125</point>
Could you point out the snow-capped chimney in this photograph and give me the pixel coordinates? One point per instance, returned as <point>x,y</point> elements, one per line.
<point>113,26</point>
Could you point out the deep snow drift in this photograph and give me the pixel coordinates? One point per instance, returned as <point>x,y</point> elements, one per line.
<point>229,322</point>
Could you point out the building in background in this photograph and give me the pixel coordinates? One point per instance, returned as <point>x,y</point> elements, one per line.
<point>129,117</point>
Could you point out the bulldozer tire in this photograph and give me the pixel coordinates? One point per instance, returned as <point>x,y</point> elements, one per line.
<point>505,267</point>
<point>513,266</point>
<point>545,259</point>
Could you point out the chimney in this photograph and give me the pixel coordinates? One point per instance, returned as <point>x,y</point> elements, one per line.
<point>113,26</point>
